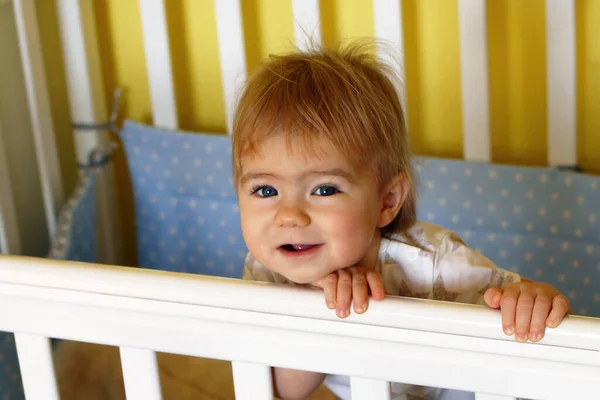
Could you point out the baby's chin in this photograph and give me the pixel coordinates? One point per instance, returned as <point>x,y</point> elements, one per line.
<point>306,277</point>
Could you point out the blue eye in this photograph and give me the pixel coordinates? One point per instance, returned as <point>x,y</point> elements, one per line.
<point>326,190</point>
<point>265,191</point>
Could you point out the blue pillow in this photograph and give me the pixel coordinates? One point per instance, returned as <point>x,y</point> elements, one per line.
<point>186,211</point>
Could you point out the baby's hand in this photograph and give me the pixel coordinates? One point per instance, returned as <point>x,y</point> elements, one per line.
<point>527,308</point>
<point>351,285</point>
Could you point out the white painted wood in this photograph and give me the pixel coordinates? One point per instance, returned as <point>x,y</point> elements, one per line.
<point>485,396</point>
<point>561,82</point>
<point>37,367</point>
<point>474,80</point>
<point>369,389</point>
<point>39,109</point>
<point>77,27</point>
<point>252,381</point>
<point>140,374</point>
<point>400,340</point>
<point>307,23</point>
<point>158,63</point>
<point>232,53</point>
<point>388,26</point>
<point>10,242</point>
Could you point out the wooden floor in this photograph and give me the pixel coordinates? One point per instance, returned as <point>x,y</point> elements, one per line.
<point>93,372</point>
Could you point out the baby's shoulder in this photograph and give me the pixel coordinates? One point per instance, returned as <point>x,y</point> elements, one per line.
<point>425,237</point>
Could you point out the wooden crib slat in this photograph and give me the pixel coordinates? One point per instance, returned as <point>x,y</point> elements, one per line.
<point>158,62</point>
<point>307,22</point>
<point>387,15</point>
<point>485,396</point>
<point>140,374</point>
<point>10,242</point>
<point>369,389</point>
<point>252,381</point>
<point>474,80</point>
<point>39,110</point>
<point>232,52</point>
<point>37,367</point>
<point>561,82</point>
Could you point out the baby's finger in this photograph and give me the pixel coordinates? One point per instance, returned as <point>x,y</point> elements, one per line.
<point>541,309</point>
<point>524,311</point>
<point>329,284</point>
<point>560,307</point>
<point>492,297</point>
<point>508,306</point>
<point>360,292</point>
<point>344,293</point>
<point>376,285</point>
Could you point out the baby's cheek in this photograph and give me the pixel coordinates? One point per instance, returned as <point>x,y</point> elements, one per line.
<point>352,239</point>
<point>250,232</point>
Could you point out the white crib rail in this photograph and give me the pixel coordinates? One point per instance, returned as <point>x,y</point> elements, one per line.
<point>257,325</point>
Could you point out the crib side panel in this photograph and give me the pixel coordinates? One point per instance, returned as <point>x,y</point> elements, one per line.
<point>399,340</point>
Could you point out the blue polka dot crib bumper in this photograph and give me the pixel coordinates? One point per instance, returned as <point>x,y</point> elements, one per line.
<point>540,222</point>
<point>186,212</point>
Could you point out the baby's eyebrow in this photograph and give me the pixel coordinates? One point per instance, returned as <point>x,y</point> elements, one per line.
<point>255,175</point>
<point>342,173</point>
<point>333,172</point>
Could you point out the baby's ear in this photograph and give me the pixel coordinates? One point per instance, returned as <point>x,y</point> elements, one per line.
<point>393,195</point>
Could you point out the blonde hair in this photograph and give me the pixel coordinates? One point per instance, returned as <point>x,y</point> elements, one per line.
<point>343,95</point>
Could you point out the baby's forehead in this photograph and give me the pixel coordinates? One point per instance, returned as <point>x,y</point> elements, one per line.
<point>307,152</point>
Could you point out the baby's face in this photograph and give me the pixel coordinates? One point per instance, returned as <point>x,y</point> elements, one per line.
<point>305,217</point>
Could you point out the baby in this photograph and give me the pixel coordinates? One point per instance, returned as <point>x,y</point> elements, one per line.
<point>326,191</point>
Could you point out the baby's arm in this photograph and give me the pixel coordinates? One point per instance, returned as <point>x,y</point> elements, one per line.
<point>295,384</point>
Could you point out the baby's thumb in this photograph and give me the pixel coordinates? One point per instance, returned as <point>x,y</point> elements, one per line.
<point>492,297</point>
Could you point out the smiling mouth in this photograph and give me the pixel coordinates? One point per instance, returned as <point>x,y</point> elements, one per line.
<point>298,247</point>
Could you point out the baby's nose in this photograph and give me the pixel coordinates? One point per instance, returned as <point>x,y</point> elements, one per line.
<point>290,217</point>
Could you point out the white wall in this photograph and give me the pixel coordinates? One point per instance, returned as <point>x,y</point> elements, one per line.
<point>17,139</point>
